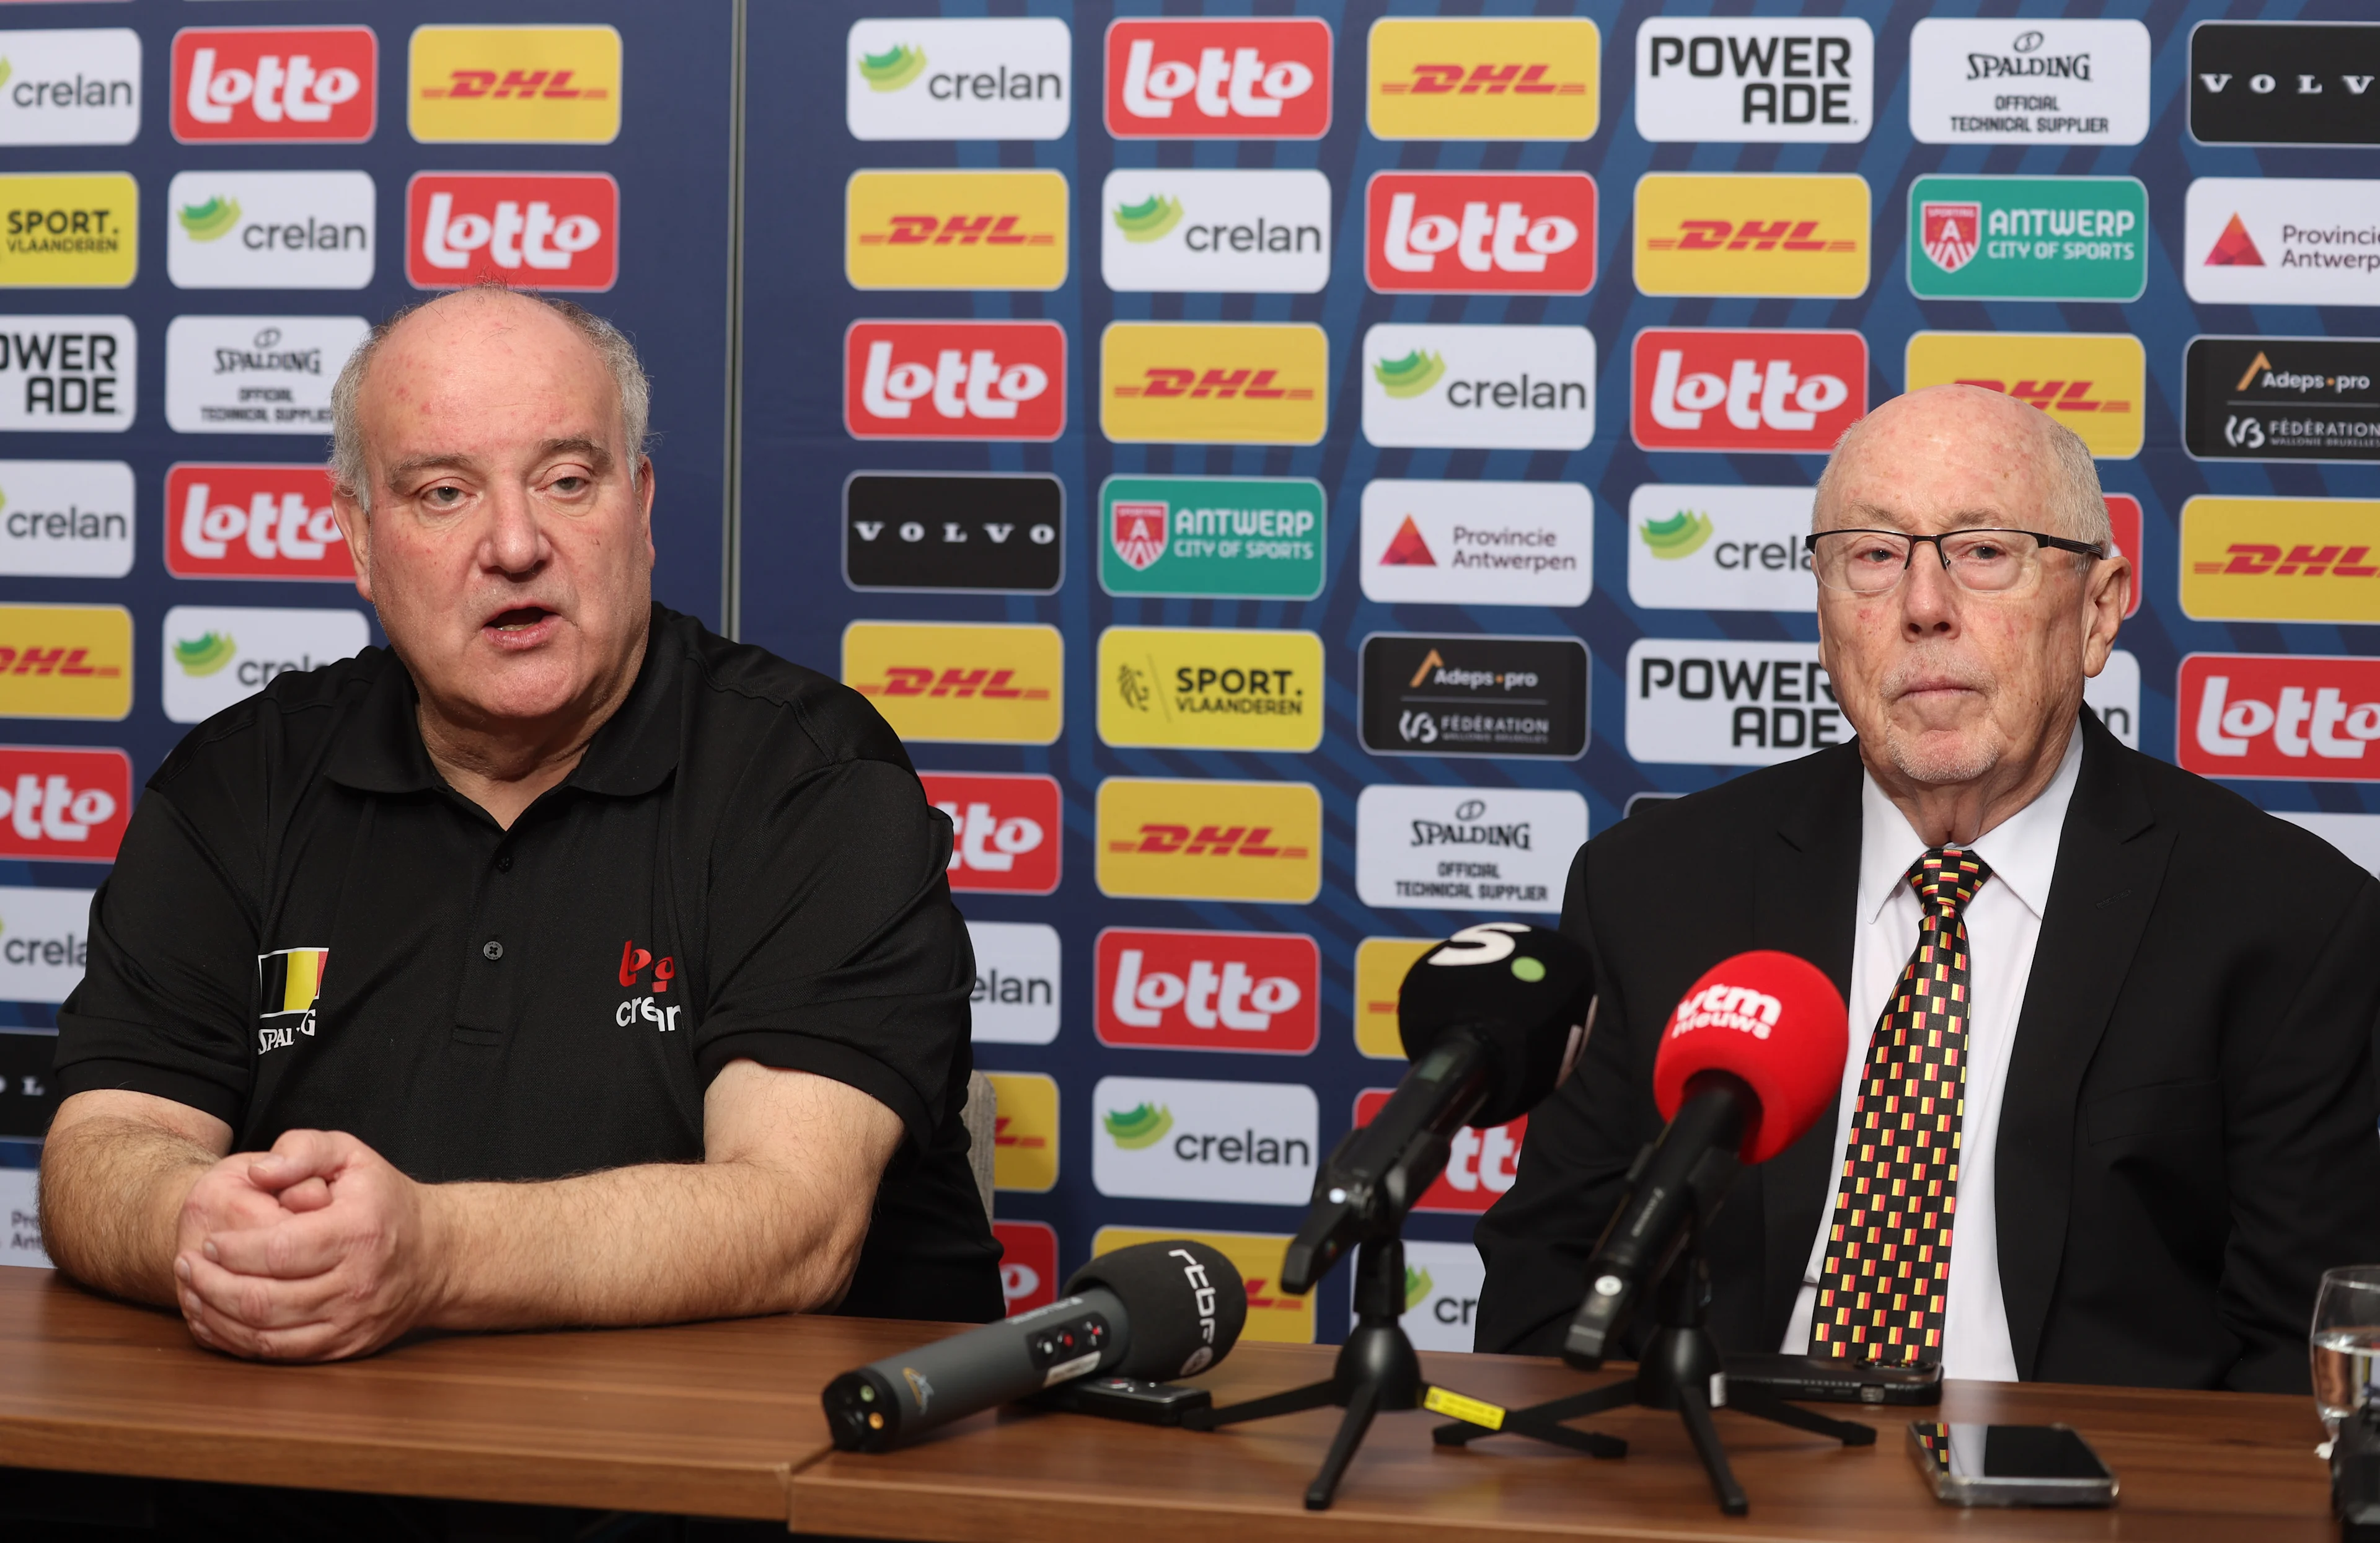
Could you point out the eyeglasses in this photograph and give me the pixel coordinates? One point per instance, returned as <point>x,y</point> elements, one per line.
<point>1985,562</point>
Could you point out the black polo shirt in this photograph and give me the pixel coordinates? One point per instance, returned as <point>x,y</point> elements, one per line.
<point>309,928</point>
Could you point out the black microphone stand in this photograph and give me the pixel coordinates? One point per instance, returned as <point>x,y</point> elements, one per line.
<point>1682,1369</point>
<point>1377,1369</point>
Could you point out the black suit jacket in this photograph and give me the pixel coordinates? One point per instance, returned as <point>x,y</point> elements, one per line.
<point>2187,1138</point>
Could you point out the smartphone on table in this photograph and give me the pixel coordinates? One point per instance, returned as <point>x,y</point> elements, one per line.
<point>2009,1465</point>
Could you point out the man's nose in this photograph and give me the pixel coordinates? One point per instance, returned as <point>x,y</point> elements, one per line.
<point>1929,597</point>
<point>512,542</point>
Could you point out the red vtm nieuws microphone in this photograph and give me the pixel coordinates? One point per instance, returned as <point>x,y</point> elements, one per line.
<point>1752,1057</point>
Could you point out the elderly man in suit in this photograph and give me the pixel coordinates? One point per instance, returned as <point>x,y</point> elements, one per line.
<point>2108,1109</point>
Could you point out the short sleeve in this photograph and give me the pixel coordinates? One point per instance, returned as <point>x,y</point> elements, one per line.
<point>833,946</point>
<point>165,1002</point>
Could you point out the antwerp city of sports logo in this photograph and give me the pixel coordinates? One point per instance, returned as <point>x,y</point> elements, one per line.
<point>1707,388</point>
<point>1523,233</point>
<point>1238,78</point>
<point>1952,232</point>
<point>259,85</point>
<point>547,231</point>
<point>954,380</point>
<point>1137,531</point>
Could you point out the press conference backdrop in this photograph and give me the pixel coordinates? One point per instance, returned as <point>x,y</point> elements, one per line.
<point>1293,477</point>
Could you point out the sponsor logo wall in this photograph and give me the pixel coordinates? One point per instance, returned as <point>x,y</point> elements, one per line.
<point>199,215</point>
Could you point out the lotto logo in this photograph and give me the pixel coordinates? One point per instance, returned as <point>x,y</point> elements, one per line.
<point>2094,385</point>
<point>551,231</point>
<point>1006,830</point>
<point>515,85</point>
<point>1707,389</point>
<point>263,85</point>
<point>2297,717</point>
<point>1028,1264</point>
<point>62,806</point>
<point>954,380</point>
<point>1484,78</point>
<point>1759,236</point>
<point>1208,990</point>
<point>1522,233</point>
<point>252,522</point>
<point>955,230</point>
<point>1481,1165</point>
<point>986,685</point>
<point>1243,78</point>
<point>1209,840</point>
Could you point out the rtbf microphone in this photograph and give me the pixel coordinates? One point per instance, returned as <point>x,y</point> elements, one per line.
<point>1492,1020</point>
<point>1750,1058</point>
<point>1154,1311</point>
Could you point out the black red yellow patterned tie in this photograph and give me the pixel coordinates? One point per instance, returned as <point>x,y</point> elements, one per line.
<point>1886,1273</point>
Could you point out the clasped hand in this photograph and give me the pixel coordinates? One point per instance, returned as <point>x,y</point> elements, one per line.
<point>314,1251</point>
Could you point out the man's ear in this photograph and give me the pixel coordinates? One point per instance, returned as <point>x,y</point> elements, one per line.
<point>355,529</point>
<point>2107,592</point>
<point>645,486</point>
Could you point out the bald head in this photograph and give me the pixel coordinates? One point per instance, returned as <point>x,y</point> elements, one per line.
<point>2032,461</point>
<point>490,318</point>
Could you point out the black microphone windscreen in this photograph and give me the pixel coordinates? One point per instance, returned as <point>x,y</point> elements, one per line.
<point>1523,990</point>
<point>1184,1300</point>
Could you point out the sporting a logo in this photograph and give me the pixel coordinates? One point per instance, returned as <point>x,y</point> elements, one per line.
<point>1953,234</point>
<point>1137,532</point>
<point>1134,1128</point>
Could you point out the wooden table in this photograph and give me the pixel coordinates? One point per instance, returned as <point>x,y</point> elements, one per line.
<point>723,1419</point>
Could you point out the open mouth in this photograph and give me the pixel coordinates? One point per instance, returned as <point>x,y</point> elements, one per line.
<point>521,618</point>
<point>520,626</point>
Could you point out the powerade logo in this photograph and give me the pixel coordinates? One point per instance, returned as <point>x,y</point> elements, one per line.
<point>1743,79</point>
<point>1713,703</point>
<point>1163,1138</point>
<point>68,374</point>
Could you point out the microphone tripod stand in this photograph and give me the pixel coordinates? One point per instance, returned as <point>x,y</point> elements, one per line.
<point>1682,1369</point>
<point>1378,1370</point>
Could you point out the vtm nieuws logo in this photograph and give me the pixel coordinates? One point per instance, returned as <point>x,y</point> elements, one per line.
<point>65,662</point>
<point>1710,389</point>
<point>1007,831</point>
<point>1480,1164</point>
<point>954,380</point>
<point>1163,839</point>
<point>252,522</point>
<point>262,85</point>
<point>1759,236</point>
<point>1208,990</point>
<point>2092,383</point>
<point>2297,717</point>
<point>515,85</point>
<point>1460,78</point>
<point>62,806</point>
<point>955,230</point>
<point>551,230</point>
<point>1487,233</point>
<point>1188,383</point>
<point>1246,78</point>
<point>985,685</point>
<point>2280,560</point>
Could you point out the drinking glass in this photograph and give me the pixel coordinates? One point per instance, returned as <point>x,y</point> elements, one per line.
<point>2346,1338</point>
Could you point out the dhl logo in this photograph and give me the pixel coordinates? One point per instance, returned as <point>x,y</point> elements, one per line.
<point>956,230</point>
<point>1274,1316</point>
<point>1484,78</point>
<point>65,662</point>
<point>1193,383</point>
<point>516,85</point>
<point>1006,691</point>
<point>2276,559</point>
<point>1166,839</point>
<point>1380,968</point>
<point>1785,236</point>
<point>2093,383</point>
<point>1025,1131</point>
<point>1757,236</point>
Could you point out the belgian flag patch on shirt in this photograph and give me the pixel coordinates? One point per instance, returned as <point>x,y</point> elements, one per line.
<point>290,988</point>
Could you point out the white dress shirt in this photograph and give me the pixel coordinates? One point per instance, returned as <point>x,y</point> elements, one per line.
<point>2003,925</point>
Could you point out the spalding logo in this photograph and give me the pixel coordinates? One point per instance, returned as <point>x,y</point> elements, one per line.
<point>1723,1006</point>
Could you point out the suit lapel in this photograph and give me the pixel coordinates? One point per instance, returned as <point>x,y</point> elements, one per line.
<point>2111,860</point>
<point>1805,888</point>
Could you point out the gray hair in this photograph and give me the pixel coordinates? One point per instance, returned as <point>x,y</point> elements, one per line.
<point>2078,507</point>
<point>611,346</point>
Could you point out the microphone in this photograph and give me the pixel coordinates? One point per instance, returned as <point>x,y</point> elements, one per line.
<point>1492,1020</point>
<point>1153,1311</point>
<point>1752,1057</point>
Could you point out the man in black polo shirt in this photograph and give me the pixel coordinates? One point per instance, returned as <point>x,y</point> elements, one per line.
<point>574,965</point>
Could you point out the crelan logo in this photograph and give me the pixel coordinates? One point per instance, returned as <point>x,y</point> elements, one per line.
<point>1681,535</point>
<point>896,68</point>
<point>1141,1126</point>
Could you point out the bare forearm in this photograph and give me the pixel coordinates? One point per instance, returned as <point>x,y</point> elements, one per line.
<point>653,1244</point>
<point>112,1191</point>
